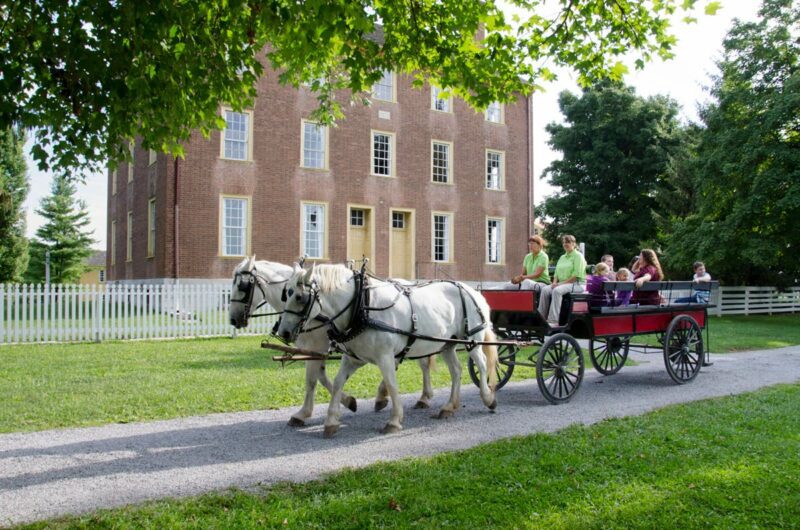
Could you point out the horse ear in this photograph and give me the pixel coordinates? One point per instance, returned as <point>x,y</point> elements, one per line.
<point>310,273</point>
<point>251,263</point>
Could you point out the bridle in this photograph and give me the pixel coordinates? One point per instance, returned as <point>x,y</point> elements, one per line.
<point>246,282</point>
<point>305,313</point>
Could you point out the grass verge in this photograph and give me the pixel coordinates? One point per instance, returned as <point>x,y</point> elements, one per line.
<point>71,385</point>
<point>723,463</point>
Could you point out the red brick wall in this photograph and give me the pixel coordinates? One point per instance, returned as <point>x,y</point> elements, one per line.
<point>277,184</point>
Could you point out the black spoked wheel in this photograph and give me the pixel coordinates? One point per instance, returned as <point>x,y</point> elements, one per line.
<point>608,355</point>
<point>559,368</point>
<point>683,349</point>
<point>506,355</point>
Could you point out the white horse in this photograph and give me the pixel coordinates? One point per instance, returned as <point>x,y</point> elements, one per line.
<point>259,282</point>
<point>446,310</point>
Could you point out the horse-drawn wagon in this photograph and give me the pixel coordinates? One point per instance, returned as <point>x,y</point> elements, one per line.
<point>559,359</point>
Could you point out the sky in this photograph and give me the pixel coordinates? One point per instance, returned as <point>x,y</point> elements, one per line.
<point>683,78</point>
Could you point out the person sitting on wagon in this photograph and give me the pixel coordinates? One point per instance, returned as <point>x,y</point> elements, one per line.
<point>535,274</point>
<point>595,285</point>
<point>700,275</point>
<point>570,276</point>
<point>608,259</point>
<point>647,269</point>
<point>623,298</point>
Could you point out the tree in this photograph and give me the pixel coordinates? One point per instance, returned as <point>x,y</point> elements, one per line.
<point>14,188</point>
<point>89,75</point>
<point>64,234</point>
<point>616,147</point>
<point>747,173</point>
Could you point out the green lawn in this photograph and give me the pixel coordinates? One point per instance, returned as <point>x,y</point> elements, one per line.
<point>724,463</point>
<point>49,386</point>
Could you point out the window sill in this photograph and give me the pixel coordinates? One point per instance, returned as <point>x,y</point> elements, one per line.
<point>382,176</point>
<point>231,256</point>
<point>236,159</point>
<point>443,183</point>
<point>316,169</point>
<point>442,111</point>
<point>495,189</point>
<point>495,122</point>
<point>495,264</point>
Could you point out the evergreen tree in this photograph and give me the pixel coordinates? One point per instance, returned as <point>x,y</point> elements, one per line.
<point>14,188</point>
<point>64,234</point>
<point>616,148</point>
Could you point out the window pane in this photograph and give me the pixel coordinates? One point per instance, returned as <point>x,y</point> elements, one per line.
<point>382,154</point>
<point>357,217</point>
<point>494,162</point>
<point>313,145</point>
<point>493,112</point>
<point>398,220</point>
<point>234,227</point>
<point>439,103</point>
<point>236,135</point>
<point>383,88</point>
<point>494,238</point>
<point>313,230</point>
<point>441,162</point>
<point>441,238</point>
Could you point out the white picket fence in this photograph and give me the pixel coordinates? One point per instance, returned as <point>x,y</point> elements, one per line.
<point>69,313</point>
<point>757,300</point>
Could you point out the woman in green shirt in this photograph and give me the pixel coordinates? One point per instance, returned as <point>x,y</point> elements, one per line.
<point>535,274</point>
<point>570,276</point>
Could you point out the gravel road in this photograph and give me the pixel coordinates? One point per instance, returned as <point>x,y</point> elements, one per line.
<point>51,473</point>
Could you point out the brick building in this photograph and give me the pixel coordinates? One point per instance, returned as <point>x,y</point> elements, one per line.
<point>425,187</point>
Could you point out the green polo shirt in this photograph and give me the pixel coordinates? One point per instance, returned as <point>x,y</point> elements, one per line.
<point>569,265</point>
<point>531,263</point>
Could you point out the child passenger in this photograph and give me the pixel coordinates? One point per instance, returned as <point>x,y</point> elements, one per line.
<point>700,275</point>
<point>595,285</point>
<point>623,297</point>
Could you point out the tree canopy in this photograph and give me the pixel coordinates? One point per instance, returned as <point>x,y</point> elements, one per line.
<point>746,175</point>
<point>88,75</point>
<point>14,188</point>
<point>616,147</point>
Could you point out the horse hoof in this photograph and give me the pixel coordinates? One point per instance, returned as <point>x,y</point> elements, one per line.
<point>380,405</point>
<point>351,403</point>
<point>493,405</point>
<point>330,431</point>
<point>390,429</point>
<point>444,414</point>
<point>296,422</point>
<point>421,405</point>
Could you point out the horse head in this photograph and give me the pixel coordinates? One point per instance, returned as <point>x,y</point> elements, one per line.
<point>300,303</point>
<point>245,293</point>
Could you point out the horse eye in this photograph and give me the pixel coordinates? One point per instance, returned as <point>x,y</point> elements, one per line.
<point>299,298</point>
<point>290,292</point>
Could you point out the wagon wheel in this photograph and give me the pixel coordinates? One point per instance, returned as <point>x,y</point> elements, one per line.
<point>506,354</point>
<point>559,368</point>
<point>608,355</point>
<point>683,349</point>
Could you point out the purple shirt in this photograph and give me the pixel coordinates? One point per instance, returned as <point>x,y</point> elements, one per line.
<point>595,287</point>
<point>647,297</point>
<point>623,298</point>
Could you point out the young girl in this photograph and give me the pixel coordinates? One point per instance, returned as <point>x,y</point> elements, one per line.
<point>623,297</point>
<point>595,285</point>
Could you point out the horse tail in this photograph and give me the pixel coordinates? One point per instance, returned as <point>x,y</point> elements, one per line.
<point>490,350</point>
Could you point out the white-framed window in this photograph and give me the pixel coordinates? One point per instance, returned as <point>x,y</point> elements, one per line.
<point>441,236</point>
<point>152,157</point>
<point>494,112</point>
<point>313,229</point>
<point>442,104</point>
<point>131,163</point>
<point>237,136</point>
<point>495,170</point>
<point>441,162</point>
<point>113,243</point>
<point>495,236</point>
<point>382,153</point>
<point>129,238</point>
<point>151,228</point>
<point>315,142</point>
<point>384,89</point>
<point>235,225</point>
<point>399,220</point>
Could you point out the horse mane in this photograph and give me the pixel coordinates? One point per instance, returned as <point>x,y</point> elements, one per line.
<point>331,277</point>
<point>274,270</point>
